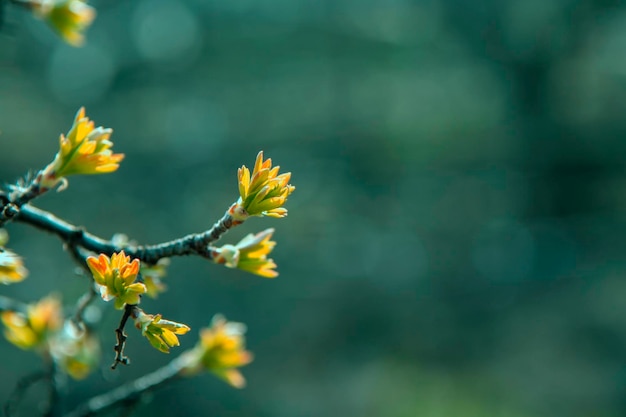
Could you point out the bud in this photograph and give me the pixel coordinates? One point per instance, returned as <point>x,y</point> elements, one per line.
<point>264,193</point>
<point>85,150</point>
<point>160,333</point>
<point>115,278</point>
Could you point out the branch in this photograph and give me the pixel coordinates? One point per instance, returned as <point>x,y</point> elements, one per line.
<point>8,213</point>
<point>80,257</point>
<point>130,391</point>
<point>193,244</point>
<point>27,194</point>
<point>20,194</point>
<point>81,306</point>
<point>121,338</point>
<point>48,222</point>
<point>196,243</point>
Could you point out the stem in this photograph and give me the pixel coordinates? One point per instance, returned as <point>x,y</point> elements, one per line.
<point>79,255</point>
<point>196,243</point>
<point>48,222</point>
<point>12,202</point>
<point>121,338</point>
<point>130,391</point>
<point>81,306</point>
<point>32,191</point>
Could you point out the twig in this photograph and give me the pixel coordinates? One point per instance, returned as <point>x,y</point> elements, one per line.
<point>21,194</point>
<point>8,213</point>
<point>32,191</point>
<point>121,337</point>
<point>130,391</point>
<point>48,222</point>
<point>196,243</point>
<point>79,255</point>
<point>81,306</point>
<point>83,302</point>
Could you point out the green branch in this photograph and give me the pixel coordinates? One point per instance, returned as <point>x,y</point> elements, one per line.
<point>193,244</point>
<point>130,391</point>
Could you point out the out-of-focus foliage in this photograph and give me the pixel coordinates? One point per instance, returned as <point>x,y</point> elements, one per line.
<point>32,328</point>
<point>456,244</point>
<point>69,18</point>
<point>221,350</point>
<point>12,268</point>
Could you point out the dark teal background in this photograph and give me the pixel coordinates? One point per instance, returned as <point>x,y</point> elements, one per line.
<point>455,245</point>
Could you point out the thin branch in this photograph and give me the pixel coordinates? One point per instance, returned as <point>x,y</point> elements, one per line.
<point>8,213</point>
<point>196,243</point>
<point>79,255</point>
<point>81,306</point>
<point>121,337</point>
<point>27,189</point>
<point>48,222</point>
<point>131,390</point>
<point>27,194</point>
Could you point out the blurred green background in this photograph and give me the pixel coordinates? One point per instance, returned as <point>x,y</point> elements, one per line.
<point>455,245</point>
